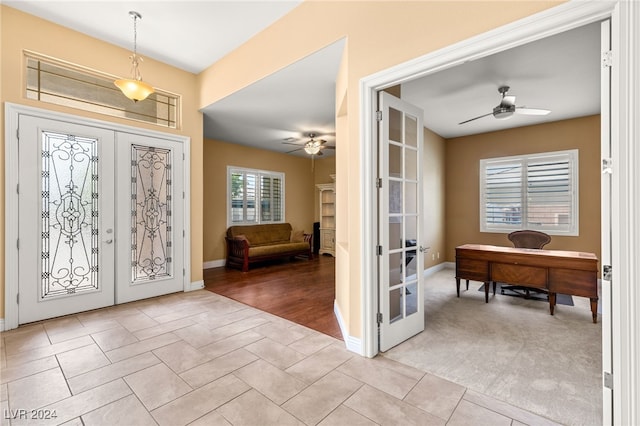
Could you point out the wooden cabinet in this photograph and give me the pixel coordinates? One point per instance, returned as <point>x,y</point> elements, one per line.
<point>327,217</point>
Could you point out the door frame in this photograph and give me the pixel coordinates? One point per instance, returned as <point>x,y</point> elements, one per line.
<point>12,113</point>
<point>625,105</point>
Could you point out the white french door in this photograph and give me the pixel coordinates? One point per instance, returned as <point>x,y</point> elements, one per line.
<point>400,222</point>
<point>100,217</point>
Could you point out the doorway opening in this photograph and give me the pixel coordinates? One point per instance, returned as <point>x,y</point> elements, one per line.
<point>505,38</point>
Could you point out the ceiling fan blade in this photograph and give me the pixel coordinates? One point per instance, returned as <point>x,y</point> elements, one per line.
<point>319,153</point>
<point>294,143</point>
<point>475,118</point>
<point>532,111</point>
<point>508,101</point>
<point>294,150</point>
<point>328,147</point>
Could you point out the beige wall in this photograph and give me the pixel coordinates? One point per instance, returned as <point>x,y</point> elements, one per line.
<point>379,35</point>
<point>433,182</point>
<point>462,185</point>
<point>299,188</point>
<point>20,31</point>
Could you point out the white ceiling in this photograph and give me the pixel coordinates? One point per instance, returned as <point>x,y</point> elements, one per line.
<point>560,73</point>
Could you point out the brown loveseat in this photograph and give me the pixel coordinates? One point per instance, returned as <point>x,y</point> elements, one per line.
<point>247,244</point>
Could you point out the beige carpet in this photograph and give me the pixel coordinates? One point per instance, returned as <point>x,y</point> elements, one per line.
<point>511,349</point>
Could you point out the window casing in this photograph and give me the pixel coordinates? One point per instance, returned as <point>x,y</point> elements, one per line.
<point>61,83</point>
<point>536,191</point>
<point>254,196</point>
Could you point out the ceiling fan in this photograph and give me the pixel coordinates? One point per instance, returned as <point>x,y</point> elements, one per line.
<point>312,146</point>
<point>508,107</point>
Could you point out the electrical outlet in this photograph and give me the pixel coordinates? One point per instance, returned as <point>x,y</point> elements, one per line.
<point>438,255</point>
<point>433,257</point>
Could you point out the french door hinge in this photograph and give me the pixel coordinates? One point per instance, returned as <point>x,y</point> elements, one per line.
<point>607,166</point>
<point>379,183</point>
<point>607,379</point>
<point>17,188</point>
<point>184,272</point>
<point>379,317</point>
<point>378,115</point>
<point>607,59</point>
<point>607,271</point>
<point>18,243</point>
<point>379,250</point>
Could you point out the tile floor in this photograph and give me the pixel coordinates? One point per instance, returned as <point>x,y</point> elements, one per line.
<point>201,359</point>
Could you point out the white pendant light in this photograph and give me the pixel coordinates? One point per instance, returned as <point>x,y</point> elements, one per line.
<point>134,88</point>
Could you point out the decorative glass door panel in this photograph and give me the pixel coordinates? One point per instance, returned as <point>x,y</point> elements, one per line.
<point>149,248</point>
<point>400,221</point>
<point>151,204</point>
<point>66,253</point>
<point>70,244</point>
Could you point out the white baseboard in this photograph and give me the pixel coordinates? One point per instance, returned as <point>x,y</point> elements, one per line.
<point>1,324</point>
<point>213,263</point>
<point>439,267</point>
<point>195,285</point>
<point>353,344</point>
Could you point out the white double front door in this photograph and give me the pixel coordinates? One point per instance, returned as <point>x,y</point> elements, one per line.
<point>100,217</point>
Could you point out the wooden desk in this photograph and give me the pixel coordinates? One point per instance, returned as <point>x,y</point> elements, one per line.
<point>566,272</point>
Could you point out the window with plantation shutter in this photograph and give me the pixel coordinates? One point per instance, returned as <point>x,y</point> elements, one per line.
<point>537,191</point>
<point>254,196</point>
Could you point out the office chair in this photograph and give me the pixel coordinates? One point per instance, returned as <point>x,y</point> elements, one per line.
<point>527,239</point>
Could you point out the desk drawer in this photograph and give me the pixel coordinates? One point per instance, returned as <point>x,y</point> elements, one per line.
<point>470,269</point>
<point>577,283</point>
<point>519,274</point>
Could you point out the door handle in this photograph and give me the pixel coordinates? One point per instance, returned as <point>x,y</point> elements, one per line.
<point>424,249</point>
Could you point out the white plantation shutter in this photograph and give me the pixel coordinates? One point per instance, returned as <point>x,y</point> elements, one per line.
<point>503,193</point>
<point>538,191</point>
<point>254,196</point>
<point>549,192</point>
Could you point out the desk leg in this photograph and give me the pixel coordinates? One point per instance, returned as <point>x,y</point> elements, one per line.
<point>486,292</point>
<point>594,309</point>
<point>458,286</point>
<point>552,302</point>
<point>467,285</point>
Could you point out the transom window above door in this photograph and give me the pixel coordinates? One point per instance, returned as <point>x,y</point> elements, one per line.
<point>254,196</point>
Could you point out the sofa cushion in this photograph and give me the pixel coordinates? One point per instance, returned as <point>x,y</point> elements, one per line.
<point>271,249</point>
<point>259,235</point>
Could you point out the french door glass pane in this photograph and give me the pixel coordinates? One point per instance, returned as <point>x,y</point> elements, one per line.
<point>395,160</point>
<point>395,269</point>
<point>411,164</point>
<point>411,131</point>
<point>70,245</point>
<point>395,232</point>
<point>151,222</point>
<point>395,196</point>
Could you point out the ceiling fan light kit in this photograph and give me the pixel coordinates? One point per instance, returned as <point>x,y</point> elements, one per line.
<point>507,108</point>
<point>312,147</point>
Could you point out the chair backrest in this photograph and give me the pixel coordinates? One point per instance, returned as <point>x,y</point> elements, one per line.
<point>529,239</point>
